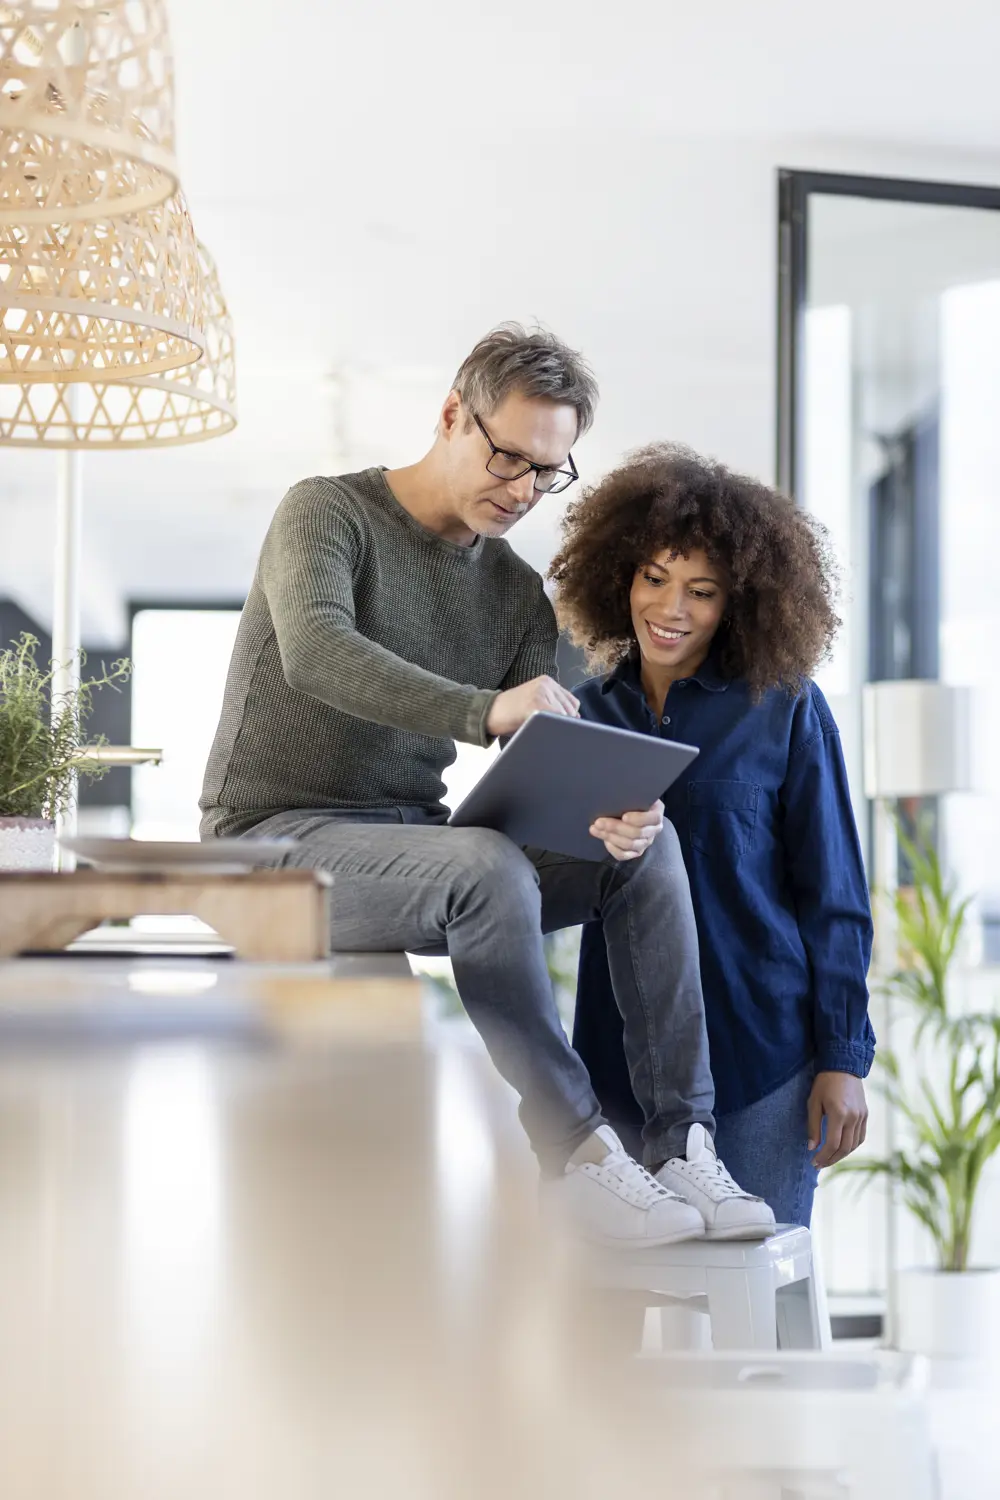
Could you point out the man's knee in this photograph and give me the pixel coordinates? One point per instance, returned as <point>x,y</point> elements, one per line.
<point>662,861</point>
<point>495,867</point>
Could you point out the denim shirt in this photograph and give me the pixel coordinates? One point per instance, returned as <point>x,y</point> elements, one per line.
<point>780,896</point>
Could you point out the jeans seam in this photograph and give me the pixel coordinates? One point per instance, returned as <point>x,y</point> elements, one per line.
<point>655,1074</point>
<point>806,1170</point>
<point>789,1178</point>
<point>804,1173</point>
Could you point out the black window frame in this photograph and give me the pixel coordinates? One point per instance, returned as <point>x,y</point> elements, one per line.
<point>794,189</point>
<point>921,525</point>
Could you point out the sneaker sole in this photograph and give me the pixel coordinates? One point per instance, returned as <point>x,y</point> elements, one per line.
<point>749,1232</point>
<point>608,1242</point>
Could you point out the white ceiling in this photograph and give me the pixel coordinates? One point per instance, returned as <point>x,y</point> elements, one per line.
<point>381,180</point>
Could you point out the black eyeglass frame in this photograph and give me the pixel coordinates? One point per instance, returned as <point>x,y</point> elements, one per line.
<point>570,475</point>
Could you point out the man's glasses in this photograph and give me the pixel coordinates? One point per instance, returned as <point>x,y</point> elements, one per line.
<point>514,466</point>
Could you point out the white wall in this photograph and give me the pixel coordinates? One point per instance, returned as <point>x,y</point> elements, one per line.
<point>659,262</point>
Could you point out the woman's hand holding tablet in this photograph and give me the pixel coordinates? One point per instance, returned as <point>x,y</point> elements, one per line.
<point>576,788</point>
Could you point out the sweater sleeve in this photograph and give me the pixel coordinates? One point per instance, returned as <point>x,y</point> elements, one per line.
<point>307,570</point>
<point>536,655</point>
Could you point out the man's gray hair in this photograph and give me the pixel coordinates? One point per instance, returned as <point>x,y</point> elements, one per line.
<point>534,363</point>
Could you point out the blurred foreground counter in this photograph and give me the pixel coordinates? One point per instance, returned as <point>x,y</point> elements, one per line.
<point>258,1237</point>
<point>269,1234</point>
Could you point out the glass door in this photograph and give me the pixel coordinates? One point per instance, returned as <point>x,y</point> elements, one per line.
<point>889,431</point>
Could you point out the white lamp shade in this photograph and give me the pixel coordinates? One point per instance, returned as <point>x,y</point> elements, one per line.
<point>101,300</point>
<point>86,109</point>
<point>917,738</point>
<point>186,405</point>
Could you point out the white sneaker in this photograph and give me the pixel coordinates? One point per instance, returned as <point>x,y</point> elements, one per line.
<point>617,1202</point>
<point>701,1180</point>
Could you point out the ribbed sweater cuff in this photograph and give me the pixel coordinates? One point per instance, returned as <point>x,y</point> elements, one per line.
<point>475,722</point>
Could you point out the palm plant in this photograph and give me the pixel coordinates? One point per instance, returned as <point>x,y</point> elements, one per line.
<point>948,1091</point>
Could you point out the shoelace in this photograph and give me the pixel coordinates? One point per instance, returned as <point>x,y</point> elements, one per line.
<point>640,1187</point>
<point>713,1177</point>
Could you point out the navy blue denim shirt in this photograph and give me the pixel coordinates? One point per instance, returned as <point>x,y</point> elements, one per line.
<point>780,896</point>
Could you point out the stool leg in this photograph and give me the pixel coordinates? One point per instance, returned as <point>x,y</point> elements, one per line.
<point>800,1324</point>
<point>741,1306</point>
<point>611,1325</point>
<point>678,1324</point>
<point>820,1304</point>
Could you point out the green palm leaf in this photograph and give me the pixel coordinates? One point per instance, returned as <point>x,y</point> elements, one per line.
<point>953,1124</point>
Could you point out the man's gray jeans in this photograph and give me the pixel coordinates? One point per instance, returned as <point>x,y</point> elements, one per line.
<point>402,880</point>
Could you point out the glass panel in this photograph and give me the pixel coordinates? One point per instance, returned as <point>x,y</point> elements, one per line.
<point>895,308</point>
<point>970,587</point>
<point>181,658</point>
<point>900,449</point>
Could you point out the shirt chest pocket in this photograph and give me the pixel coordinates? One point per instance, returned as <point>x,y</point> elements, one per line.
<point>722,817</point>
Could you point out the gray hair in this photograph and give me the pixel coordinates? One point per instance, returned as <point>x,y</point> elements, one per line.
<point>534,364</point>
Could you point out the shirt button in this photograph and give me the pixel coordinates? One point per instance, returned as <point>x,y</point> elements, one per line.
<point>666,718</point>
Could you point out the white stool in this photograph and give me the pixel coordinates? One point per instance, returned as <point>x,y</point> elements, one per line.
<point>798,1426</point>
<point>758,1294</point>
<point>389,965</point>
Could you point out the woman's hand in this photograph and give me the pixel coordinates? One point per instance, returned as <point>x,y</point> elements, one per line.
<point>840,1099</point>
<point>630,835</point>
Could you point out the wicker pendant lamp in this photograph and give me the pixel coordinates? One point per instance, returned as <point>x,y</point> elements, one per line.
<point>153,406</point>
<point>107,302</point>
<point>86,109</point>
<point>100,300</point>
<point>186,405</point>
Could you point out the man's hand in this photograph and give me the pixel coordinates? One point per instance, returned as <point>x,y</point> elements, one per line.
<point>840,1097</point>
<point>541,696</point>
<point>630,835</point>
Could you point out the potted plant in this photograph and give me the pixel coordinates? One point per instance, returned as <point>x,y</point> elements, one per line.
<point>946,1092</point>
<point>41,744</point>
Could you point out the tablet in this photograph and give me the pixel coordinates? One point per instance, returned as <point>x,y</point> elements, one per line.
<point>558,774</point>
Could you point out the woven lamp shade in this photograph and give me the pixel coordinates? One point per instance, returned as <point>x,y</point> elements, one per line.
<point>86,109</point>
<point>188,405</point>
<point>99,300</point>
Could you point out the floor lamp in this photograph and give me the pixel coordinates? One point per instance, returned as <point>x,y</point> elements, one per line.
<point>98,256</point>
<point>154,404</point>
<point>917,743</point>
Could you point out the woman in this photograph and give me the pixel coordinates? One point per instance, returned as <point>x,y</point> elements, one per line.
<point>711,597</point>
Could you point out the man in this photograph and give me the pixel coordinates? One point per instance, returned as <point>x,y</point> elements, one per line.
<point>388,618</point>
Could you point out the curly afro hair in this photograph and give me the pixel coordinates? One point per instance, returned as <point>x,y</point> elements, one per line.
<point>780,571</point>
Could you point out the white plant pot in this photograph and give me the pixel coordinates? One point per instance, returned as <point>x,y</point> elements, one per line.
<point>950,1314</point>
<point>27,844</point>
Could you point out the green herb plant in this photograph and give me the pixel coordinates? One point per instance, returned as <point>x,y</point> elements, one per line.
<point>41,737</point>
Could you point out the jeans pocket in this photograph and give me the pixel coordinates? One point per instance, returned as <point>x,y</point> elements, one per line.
<point>722,817</point>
